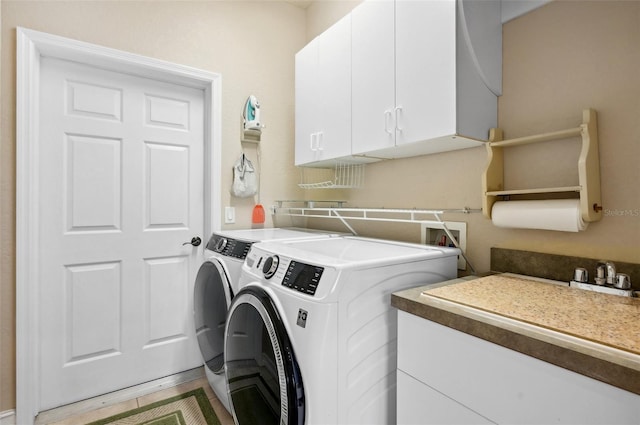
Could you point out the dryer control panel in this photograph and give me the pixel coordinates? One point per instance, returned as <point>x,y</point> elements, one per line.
<point>302,277</point>
<point>229,247</point>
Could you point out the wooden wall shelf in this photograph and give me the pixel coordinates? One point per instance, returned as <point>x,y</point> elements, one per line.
<point>588,167</point>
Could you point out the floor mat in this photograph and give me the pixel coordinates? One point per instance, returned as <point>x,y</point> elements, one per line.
<point>190,408</point>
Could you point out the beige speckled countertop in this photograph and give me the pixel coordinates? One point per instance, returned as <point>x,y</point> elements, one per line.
<point>597,335</point>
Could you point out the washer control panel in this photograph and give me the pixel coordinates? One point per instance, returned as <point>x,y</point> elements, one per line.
<point>302,277</point>
<point>286,272</point>
<point>270,266</point>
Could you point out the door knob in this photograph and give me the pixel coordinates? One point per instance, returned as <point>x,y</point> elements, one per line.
<point>195,241</point>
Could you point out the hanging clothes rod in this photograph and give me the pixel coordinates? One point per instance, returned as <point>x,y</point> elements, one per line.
<point>368,213</point>
<point>310,205</point>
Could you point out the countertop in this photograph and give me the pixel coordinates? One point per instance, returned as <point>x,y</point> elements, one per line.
<point>594,334</point>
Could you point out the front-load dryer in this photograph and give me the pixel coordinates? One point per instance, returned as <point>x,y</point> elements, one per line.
<point>311,336</point>
<point>217,282</point>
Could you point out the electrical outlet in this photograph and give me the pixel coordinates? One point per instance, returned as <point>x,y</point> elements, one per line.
<point>229,215</point>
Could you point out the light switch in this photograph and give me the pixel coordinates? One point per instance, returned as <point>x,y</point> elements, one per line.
<point>229,215</point>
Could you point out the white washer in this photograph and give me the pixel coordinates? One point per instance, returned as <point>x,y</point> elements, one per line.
<point>311,337</point>
<point>217,282</point>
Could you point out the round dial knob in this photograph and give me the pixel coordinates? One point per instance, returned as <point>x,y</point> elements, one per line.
<point>222,242</point>
<point>270,266</point>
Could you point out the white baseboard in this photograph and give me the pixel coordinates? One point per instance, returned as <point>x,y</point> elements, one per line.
<point>60,413</point>
<point>8,417</point>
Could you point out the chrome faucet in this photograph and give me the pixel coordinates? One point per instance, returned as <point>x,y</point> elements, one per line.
<point>606,281</point>
<point>611,273</point>
<point>601,273</point>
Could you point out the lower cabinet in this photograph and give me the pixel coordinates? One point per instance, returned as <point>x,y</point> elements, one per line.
<point>446,376</point>
<point>418,403</point>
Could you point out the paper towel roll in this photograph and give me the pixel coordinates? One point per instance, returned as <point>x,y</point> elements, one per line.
<point>553,214</point>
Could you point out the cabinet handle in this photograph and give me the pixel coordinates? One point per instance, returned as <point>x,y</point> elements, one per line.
<point>398,109</point>
<point>320,141</point>
<point>311,138</point>
<point>387,118</point>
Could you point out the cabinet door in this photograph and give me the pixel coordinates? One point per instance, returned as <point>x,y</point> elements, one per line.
<point>307,109</point>
<point>425,69</point>
<point>334,67</point>
<point>418,403</point>
<point>373,84</point>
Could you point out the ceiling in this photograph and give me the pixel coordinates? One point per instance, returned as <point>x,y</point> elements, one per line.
<point>303,4</point>
<point>510,8</point>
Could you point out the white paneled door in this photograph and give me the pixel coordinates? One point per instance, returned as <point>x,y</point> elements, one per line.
<point>121,189</point>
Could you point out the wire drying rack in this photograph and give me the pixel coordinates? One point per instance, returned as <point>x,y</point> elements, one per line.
<point>342,176</point>
<point>308,209</point>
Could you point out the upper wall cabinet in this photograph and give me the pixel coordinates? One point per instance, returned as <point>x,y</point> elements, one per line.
<point>323,96</point>
<point>426,75</point>
<point>407,78</point>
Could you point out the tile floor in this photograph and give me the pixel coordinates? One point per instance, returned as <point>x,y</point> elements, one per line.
<point>221,412</point>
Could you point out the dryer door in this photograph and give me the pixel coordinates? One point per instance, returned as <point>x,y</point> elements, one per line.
<point>263,376</point>
<point>212,297</point>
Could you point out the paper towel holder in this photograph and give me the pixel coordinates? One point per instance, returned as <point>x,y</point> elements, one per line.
<point>588,167</point>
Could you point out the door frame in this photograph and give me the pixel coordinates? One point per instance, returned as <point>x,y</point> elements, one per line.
<point>31,47</point>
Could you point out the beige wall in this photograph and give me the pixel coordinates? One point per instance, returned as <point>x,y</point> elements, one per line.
<point>251,44</point>
<point>321,14</point>
<point>557,60</point>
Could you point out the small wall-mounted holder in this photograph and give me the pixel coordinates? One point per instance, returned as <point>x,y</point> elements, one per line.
<point>249,135</point>
<point>588,167</point>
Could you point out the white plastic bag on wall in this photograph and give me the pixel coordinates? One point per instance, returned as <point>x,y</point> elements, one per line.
<point>245,182</point>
